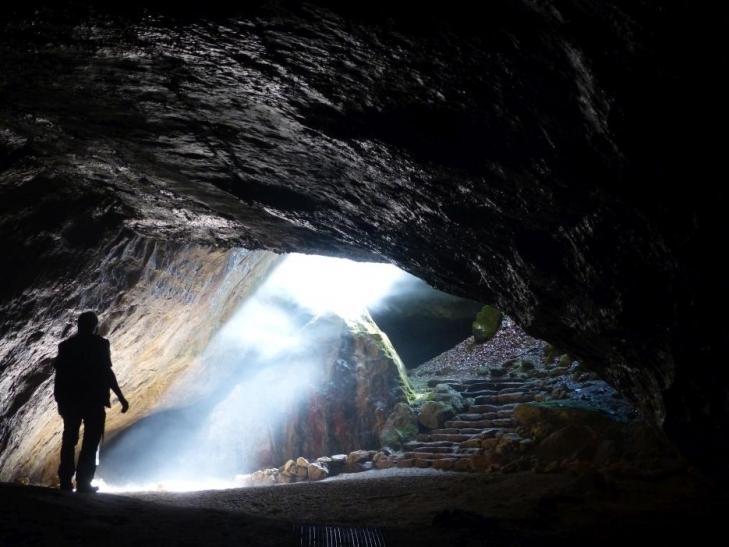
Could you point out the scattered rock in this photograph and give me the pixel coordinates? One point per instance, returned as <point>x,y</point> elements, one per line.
<point>289,468</point>
<point>359,456</point>
<point>338,463</point>
<point>317,472</point>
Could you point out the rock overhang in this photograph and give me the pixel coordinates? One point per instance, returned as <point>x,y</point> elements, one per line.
<point>524,161</point>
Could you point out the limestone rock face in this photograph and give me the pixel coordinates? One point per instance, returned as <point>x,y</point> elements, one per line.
<point>159,304</point>
<point>545,157</point>
<point>360,381</point>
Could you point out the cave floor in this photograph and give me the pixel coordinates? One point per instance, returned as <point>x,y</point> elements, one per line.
<point>412,507</point>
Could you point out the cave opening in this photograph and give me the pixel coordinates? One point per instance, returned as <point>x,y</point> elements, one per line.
<point>530,160</point>
<point>235,408</point>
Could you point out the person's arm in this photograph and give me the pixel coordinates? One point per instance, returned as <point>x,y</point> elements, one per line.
<point>113,384</point>
<point>117,391</point>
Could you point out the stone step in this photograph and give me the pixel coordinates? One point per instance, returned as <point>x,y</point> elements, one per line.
<point>456,438</point>
<point>508,391</point>
<point>480,424</point>
<point>431,444</point>
<point>494,381</point>
<point>518,397</point>
<point>493,386</point>
<point>474,417</point>
<point>433,455</point>
<point>481,392</point>
<point>455,384</point>
<point>475,441</point>
<point>446,430</point>
<point>507,413</point>
<point>447,464</point>
<point>451,449</point>
<point>457,431</point>
<point>488,408</point>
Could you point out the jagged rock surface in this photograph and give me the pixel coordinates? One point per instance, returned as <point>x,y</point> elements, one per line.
<point>537,159</point>
<point>362,379</point>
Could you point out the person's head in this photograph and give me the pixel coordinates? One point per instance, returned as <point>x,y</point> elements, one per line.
<point>87,322</point>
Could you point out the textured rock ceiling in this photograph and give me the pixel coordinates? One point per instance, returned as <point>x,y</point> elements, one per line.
<point>526,155</point>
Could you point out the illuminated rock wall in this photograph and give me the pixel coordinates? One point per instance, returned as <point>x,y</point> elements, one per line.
<point>362,378</point>
<point>159,303</point>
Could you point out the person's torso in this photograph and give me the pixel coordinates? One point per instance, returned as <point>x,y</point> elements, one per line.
<point>85,369</point>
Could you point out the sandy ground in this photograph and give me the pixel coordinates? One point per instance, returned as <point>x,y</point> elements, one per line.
<point>412,507</point>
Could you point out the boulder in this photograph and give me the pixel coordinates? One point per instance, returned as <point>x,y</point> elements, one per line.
<point>538,420</point>
<point>337,464</point>
<point>487,322</point>
<point>302,468</point>
<point>317,472</point>
<point>446,394</point>
<point>356,460</point>
<point>572,435</point>
<point>572,442</point>
<point>359,456</point>
<point>401,426</point>
<point>433,414</point>
<point>383,459</point>
<point>289,468</point>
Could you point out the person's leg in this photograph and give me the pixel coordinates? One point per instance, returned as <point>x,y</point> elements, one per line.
<point>93,431</point>
<point>71,425</point>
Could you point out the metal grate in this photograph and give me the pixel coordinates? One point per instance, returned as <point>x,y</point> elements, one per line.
<point>313,535</point>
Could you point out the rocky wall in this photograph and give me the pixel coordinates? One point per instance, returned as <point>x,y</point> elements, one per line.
<point>159,304</point>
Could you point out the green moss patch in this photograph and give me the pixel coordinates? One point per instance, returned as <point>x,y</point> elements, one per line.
<point>487,323</point>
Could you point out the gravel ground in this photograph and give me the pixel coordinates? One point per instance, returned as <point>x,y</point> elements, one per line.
<point>464,360</point>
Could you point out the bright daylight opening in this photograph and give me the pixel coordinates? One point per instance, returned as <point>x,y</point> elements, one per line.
<point>261,363</point>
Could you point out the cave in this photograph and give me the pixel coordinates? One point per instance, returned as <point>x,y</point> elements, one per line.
<point>376,273</point>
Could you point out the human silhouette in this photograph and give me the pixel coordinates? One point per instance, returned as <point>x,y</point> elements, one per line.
<point>83,380</point>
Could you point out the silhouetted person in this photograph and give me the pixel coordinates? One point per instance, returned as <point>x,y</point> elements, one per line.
<point>83,380</point>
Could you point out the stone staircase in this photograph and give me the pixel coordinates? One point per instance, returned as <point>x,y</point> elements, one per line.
<point>489,416</point>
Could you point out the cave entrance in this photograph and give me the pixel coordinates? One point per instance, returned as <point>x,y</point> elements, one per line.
<point>309,361</point>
